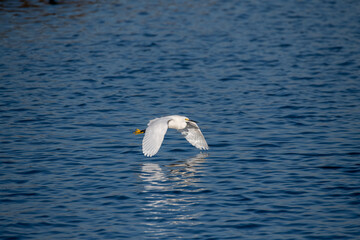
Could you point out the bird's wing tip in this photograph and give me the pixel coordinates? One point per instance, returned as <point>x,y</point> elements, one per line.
<point>148,154</point>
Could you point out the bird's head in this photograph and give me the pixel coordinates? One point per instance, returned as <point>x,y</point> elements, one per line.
<point>188,120</point>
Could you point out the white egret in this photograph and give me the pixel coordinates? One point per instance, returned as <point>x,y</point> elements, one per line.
<point>155,132</point>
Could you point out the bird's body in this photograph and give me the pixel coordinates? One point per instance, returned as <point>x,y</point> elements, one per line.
<point>156,130</point>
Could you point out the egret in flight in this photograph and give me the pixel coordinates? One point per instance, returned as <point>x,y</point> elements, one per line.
<point>155,132</point>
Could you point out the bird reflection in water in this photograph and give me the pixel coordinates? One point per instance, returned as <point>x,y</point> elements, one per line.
<point>184,172</point>
<point>168,192</point>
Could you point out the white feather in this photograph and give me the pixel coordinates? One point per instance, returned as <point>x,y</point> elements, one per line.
<point>193,134</point>
<point>154,135</point>
<point>156,130</point>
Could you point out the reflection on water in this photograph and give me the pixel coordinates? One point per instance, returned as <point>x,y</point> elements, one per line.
<point>166,191</point>
<point>182,173</point>
<point>152,174</point>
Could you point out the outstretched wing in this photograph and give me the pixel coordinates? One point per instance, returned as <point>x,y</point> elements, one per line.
<point>154,136</point>
<point>194,136</point>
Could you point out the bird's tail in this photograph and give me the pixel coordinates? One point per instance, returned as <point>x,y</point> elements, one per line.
<point>138,131</point>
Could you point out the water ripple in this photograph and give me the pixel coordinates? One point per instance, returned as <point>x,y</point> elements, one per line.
<point>273,85</point>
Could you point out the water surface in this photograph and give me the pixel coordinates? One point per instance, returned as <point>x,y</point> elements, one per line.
<point>273,85</point>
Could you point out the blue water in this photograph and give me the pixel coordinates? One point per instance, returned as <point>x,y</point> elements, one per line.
<point>274,86</point>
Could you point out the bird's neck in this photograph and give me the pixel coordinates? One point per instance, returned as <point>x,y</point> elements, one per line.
<point>176,124</point>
